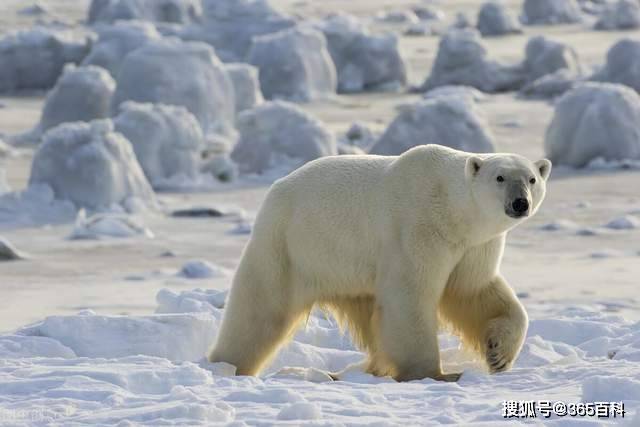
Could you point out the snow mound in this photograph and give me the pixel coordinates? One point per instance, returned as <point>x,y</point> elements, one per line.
<point>363,61</point>
<point>294,64</point>
<point>463,60</point>
<point>20,346</point>
<point>117,41</point>
<point>177,337</point>
<point>221,167</point>
<point>279,129</point>
<point>195,301</point>
<point>550,12</point>
<point>551,85</point>
<point>81,94</point>
<point>398,17</point>
<point>90,165</point>
<point>4,185</point>
<point>622,15</point>
<point>467,93</point>
<point>167,140</point>
<point>173,72</point>
<point>173,11</point>
<point>246,85</point>
<point>449,121</point>
<point>300,411</point>
<point>36,205</point>
<point>100,226</point>
<point>35,58</point>
<point>494,19</point>
<point>544,56</point>
<point>360,135</point>
<point>623,64</point>
<point>8,252</point>
<point>626,222</point>
<point>595,120</point>
<point>199,269</point>
<point>428,13</point>
<point>230,26</point>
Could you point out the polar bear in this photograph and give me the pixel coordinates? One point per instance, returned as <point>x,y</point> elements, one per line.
<point>394,246</point>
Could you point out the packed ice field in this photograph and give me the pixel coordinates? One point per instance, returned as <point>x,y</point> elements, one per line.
<point>139,137</point>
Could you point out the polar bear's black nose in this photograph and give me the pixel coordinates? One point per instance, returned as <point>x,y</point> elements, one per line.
<point>520,205</point>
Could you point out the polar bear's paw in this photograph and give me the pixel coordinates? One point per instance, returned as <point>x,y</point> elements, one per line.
<point>449,378</point>
<point>496,359</point>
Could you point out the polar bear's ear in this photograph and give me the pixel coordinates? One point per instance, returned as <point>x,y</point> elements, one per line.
<point>544,167</point>
<point>473,166</point>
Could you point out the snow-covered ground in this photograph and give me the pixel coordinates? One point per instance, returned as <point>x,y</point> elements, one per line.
<point>112,328</point>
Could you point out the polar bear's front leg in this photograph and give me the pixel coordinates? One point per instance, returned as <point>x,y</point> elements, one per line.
<point>409,320</point>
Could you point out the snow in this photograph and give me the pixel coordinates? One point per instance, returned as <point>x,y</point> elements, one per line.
<point>187,74</point>
<point>452,121</point>
<point>167,140</point>
<point>221,167</point>
<point>551,85</point>
<point>8,252</point>
<point>200,269</point>
<point>595,120</point>
<point>174,11</point>
<point>495,20</point>
<point>246,85</point>
<point>90,165</point>
<point>621,15</point>
<point>462,59</point>
<point>279,129</point>
<point>544,56</point>
<point>107,225</point>
<point>467,93</point>
<point>626,222</point>
<point>550,12</point>
<point>4,185</point>
<point>363,61</point>
<point>80,94</point>
<point>116,41</point>
<point>294,64</point>
<point>623,64</point>
<point>34,58</point>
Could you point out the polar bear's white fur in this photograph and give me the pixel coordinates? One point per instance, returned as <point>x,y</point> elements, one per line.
<point>392,246</point>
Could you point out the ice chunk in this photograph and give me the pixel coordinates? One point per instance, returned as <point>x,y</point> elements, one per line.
<point>495,20</point>
<point>276,129</point>
<point>294,64</point>
<point>622,15</point>
<point>623,64</point>
<point>246,85</point>
<point>174,11</point>
<point>200,269</point>
<point>108,225</point>
<point>90,165</point>
<point>595,120</point>
<point>451,121</point>
<point>537,12</point>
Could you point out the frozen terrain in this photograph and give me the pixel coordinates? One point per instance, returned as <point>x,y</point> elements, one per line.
<point>108,316</point>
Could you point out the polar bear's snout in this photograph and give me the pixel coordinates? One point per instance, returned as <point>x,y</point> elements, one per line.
<point>520,207</point>
<point>517,201</point>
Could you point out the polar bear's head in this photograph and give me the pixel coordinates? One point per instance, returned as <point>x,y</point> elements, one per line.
<point>507,187</point>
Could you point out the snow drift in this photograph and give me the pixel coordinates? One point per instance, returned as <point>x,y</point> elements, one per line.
<point>246,85</point>
<point>173,11</point>
<point>279,129</point>
<point>623,64</point>
<point>622,15</point>
<point>34,58</point>
<point>167,140</point>
<point>294,64</point>
<point>463,60</point>
<point>81,94</point>
<point>495,20</point>
<point>173,72</point>
<point>595,120</point>
<point>117,41</point>
<point>90,165</point>
<point>544,56</point>
<point>540,12</point>
<point>363,61</point>
<point>452,121</point>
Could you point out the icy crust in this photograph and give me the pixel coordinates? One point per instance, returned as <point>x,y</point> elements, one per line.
<point>550,12</point>
<point>173,11</point>
<point>90,165</point>
<point>595,120</point>
<point>167,140</point>
<point>294,64</point>
<point>494,19</point>
<point>623,64</point>
<point>277,130</point>
<point>230,26</point>
<point>246,85</point>
<point>81,94</point>
<point>451,120</point>
<point>35,58</point>
<point>173,72</point>
<point>94,369</point>
<point>363,61</point>
<point>117,41</point>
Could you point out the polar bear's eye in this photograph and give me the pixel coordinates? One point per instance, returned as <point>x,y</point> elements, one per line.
<point>532,181</point>
<point>500,178</point>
